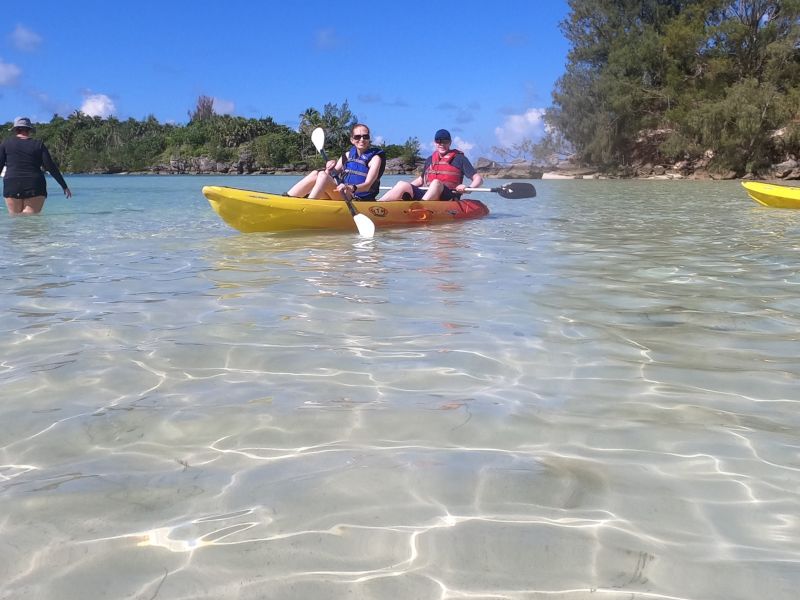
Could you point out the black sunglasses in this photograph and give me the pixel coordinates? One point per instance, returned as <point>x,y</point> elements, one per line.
<point>361,137</point>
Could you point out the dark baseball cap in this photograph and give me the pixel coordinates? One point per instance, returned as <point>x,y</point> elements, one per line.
<point>442,134</point>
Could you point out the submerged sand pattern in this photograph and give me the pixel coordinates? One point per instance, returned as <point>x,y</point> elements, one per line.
<point>590,395</point>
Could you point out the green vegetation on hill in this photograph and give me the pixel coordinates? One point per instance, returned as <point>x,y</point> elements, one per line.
<point>85,144</point>
<point>713,83</point>
<point>718,79</point>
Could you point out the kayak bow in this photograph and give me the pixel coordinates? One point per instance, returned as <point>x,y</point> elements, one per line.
<point>776,196</point>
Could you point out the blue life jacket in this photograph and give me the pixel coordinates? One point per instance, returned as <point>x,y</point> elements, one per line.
<point>356,168</point>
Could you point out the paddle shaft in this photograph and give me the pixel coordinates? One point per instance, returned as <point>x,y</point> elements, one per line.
<point>363,223</point>
<point>509,190</point>
<point>352,208</point>
<point>469,189</point>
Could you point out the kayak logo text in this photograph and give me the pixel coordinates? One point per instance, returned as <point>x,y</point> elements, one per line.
<point>378,211</point>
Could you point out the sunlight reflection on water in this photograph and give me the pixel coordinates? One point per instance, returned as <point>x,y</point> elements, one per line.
<point>593,393</point>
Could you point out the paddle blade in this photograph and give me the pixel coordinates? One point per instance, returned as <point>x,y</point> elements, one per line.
<point>516,190</point>
<point>318,138</point>
<point>366,228</point>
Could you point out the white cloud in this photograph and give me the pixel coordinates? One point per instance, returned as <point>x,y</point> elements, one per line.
<point>223,107</point>
<point>519,127</point>
<point>24,39</point>
<point>462,145</point>
<point>98,105</point>
<point>327,39</point>
<point>9,73</point>
<point>458,144</point>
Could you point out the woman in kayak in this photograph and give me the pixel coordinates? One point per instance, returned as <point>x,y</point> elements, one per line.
<point>356,174</point>
<point>443,174</point>
<point>25,160</point>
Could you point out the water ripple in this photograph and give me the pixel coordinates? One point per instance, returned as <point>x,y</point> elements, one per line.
<point>593,394</point>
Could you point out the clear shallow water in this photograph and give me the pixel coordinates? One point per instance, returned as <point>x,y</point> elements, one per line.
<point>589,394</point>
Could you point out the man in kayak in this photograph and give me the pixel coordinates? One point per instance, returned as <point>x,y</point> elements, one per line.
<point>25,160</point>
<point>357,173</point>
<point>443,175</point>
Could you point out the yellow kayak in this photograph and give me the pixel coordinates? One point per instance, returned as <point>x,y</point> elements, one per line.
<point>769,194</point>
<point>250,211</point>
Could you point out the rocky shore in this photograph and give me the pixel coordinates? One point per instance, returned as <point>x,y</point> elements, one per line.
<point>695,170</point>
<point>646,163</point>
<point>787,170</point>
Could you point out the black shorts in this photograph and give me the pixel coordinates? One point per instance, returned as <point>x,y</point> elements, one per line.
<point>24,187</point>
<point>447,194</point>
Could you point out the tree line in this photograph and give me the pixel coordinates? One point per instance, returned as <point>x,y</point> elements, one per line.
<point>85,144</point>
<point>715,75</point>
<point>713,78</point>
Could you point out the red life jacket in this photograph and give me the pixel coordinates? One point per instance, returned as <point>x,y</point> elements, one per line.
<point>442,170</point>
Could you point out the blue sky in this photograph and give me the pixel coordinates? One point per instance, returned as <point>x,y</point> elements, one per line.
<point>483,71</point>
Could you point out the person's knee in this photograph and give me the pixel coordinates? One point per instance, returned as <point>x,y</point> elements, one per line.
<point>33,208</point>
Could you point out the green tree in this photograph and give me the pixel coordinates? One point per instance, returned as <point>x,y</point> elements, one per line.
<point>745,83</point>
<point>612,87</point>
<point>719,75</point>
<point>310,119</point>
<point>204,109</point>
<point>274,149</point>
<point>91,144</point>
<point>337,121</point>
<point>409,151</point>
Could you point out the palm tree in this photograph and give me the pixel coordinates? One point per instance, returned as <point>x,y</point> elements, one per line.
<point>310,119</point>
<point>337,121</point>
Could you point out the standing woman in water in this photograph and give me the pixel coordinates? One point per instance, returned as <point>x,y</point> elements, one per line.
<point>26,160</point>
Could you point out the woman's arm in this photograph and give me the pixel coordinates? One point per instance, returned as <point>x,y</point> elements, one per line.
<point>52,167</point>
<point>374,172</point>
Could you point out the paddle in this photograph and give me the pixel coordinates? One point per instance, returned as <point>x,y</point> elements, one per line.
<point>364,224</point>
<point>513,191</point>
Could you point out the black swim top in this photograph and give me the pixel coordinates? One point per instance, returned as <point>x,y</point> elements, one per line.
<point>26,157</point>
